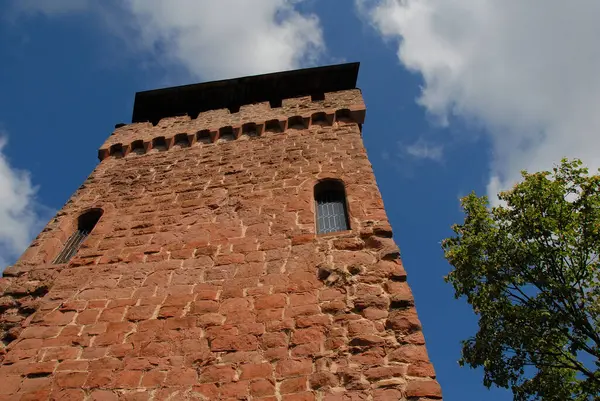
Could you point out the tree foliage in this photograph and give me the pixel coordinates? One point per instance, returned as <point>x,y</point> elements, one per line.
<point>530,270</point>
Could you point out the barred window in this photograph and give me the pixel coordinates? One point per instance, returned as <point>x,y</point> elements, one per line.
<point>85,224</point>
<point>330,205</point>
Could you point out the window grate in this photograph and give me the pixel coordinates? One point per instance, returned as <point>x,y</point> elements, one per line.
<point>331,211</point>
<point>85,224</point>
<point>72,246</point>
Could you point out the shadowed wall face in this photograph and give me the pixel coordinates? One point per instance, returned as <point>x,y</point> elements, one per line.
<point>205,278</point>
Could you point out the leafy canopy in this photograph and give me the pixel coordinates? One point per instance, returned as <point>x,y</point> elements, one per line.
<point>530,270</point>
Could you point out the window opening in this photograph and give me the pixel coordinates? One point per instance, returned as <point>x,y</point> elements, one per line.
<point>159,144</point>
<point>204,136</point>
<point>249,129</point>
<point>343,115</point>
<point>182,140</point>
<point>273,126</point>
<point>85,224</point>
<point>330,207</point>
<point>296,122</point>
<point>116,150</point>
<point>319,119</point>
<point>137,147</point>
<point>226,134</point>
<point>275,103</point>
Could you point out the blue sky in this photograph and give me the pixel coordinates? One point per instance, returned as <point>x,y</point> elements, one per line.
<point>461,95</point>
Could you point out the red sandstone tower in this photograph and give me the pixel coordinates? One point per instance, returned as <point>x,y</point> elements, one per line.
<point>231,245</point>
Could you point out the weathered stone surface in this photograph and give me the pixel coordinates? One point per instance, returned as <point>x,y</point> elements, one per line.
<point>205,277</point>
<point>423,388</point>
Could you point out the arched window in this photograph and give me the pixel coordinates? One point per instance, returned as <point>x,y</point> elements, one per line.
<point>330,206</point>
<point>85,224</point>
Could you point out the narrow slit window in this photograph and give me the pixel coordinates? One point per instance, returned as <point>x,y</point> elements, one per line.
<point>330,206</point>
<point>85,224</point>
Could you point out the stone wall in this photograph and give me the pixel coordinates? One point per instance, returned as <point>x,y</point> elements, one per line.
<point>204,278</point>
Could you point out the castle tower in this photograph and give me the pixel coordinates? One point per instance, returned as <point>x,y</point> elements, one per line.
<point>231,244</point>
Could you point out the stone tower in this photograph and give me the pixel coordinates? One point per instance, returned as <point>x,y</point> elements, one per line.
<point>231,244</point>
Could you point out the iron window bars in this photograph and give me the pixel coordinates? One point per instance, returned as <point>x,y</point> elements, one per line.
<point>72,246</point>
<point>330,204</point>
<point>85,224</point>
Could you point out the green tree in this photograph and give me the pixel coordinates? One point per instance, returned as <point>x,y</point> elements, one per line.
<point>530,270</point>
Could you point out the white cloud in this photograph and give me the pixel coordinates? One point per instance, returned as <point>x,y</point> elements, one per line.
<point>422,149</point>
<point>525,71</point>
<point>209,39</point>
<point>229,38</point>
<point>19,219</point>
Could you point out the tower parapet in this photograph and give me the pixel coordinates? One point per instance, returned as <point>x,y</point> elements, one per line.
<point>253,120</point>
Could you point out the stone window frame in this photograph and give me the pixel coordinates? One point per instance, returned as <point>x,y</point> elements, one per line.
<point>160,144</point>
<point>86,222</point>
<point>336,190</point>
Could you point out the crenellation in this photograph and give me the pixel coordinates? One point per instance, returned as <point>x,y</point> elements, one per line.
<point>249,111</point>
<point>170,122</point>
<point>258,114</point>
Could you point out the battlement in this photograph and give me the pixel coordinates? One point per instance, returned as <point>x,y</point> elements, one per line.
<point>252,120</point>
<point>231,94</point>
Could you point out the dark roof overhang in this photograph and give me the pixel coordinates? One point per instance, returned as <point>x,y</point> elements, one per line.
<point>154,105</point>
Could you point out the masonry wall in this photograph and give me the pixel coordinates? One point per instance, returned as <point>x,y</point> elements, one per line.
<point>204,278</point>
